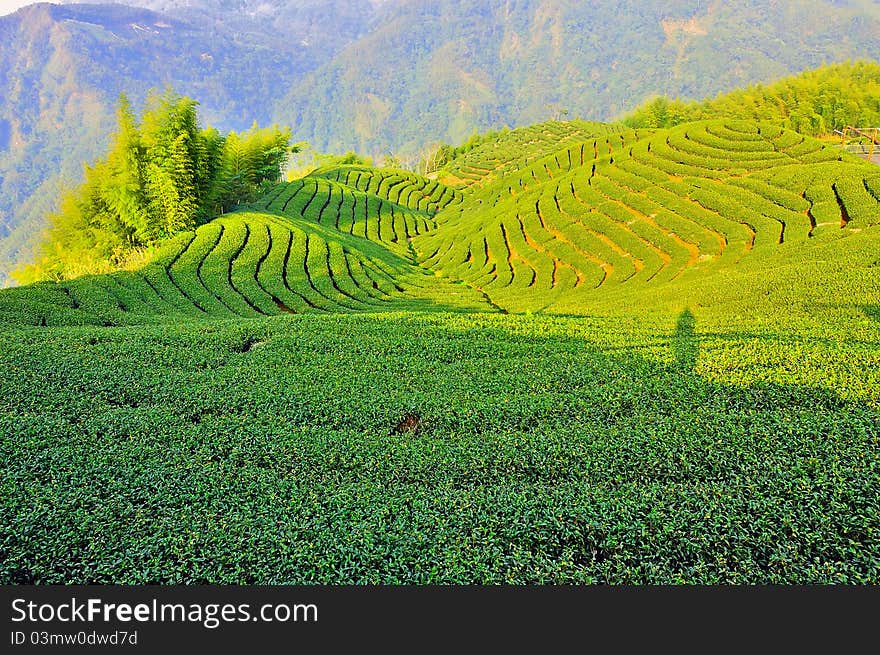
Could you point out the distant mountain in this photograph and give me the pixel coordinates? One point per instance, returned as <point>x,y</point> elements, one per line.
<point>319,25</point>
<point>438,69</point>
<point>376,76</point>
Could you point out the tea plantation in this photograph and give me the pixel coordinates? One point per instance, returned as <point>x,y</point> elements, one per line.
<point>581,354</point>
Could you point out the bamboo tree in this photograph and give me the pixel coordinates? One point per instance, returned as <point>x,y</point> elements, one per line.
<point>161,176</point>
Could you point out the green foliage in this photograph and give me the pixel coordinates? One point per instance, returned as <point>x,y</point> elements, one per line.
<point>444,153</point>
<point>267,452</point>
<point>162,176</point>
<point>582,354</point>
<point>816,102</point>
<point>248,164</point>
<point>350,158</point>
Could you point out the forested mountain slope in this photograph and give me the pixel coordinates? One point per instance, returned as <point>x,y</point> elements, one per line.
<point>437,70</point>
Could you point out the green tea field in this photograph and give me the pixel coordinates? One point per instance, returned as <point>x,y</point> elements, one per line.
<point>576,354</point>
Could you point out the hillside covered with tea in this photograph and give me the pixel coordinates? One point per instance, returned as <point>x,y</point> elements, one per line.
<point>574,352</point>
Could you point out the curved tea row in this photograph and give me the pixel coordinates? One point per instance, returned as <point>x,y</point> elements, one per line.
<point>648,208</point>
<point>561,212</point>
<point>243,265</point>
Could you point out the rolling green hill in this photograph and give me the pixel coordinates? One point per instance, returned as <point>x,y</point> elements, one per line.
<point>816,102</point>
<point>549,218</point>
<point>578,353</point>
<point>633,208</point>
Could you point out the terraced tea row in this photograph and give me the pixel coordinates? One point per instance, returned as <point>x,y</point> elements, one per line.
<point>675,203</point>
<point>381,205</point>
<point>549,230</point>
<point>518,148</point>
<point>400,187</point>
<point>533,175</point>
<point>244,265</point>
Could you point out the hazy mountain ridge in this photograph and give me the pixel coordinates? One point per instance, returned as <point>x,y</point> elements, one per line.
<point>498,62</point>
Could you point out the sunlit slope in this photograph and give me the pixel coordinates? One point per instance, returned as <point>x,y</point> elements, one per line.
<point>244,265</point>
<point>565,218</point>
<point>678,204</point>
<point>516,149</point>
